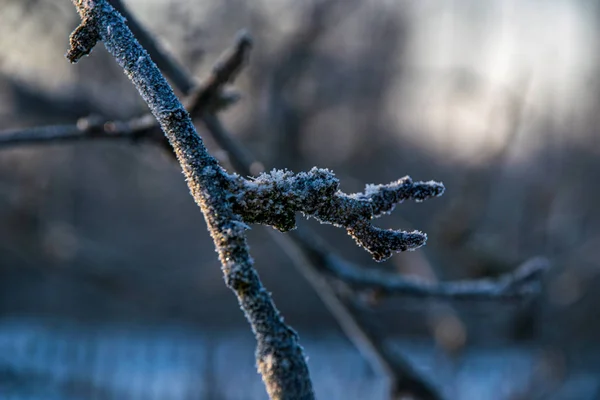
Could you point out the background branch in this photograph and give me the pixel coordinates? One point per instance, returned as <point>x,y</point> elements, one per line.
<point>89,128</point>
<point>146,128</point>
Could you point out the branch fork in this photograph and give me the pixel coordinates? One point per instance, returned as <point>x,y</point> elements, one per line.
<point>274,198</point>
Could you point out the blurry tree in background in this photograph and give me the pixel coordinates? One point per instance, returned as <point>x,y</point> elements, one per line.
<point>496,100</point>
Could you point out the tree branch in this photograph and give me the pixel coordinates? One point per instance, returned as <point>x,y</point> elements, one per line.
<point>274,198</point>
<point>523,283</point>
<point>280,358</point>
<point>224,71</point>
<point>371,215</point>
<point>312,261</point>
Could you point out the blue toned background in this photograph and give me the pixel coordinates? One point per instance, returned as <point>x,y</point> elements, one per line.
<point>109,283</point>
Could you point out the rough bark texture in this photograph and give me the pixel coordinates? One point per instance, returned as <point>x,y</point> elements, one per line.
<point>280,357</point>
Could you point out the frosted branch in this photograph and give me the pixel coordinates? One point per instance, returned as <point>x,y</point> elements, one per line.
<point>280,358</point>
<point>274,198</point>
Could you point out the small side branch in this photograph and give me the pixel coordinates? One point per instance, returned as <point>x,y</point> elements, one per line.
<point>274,198</point>
<point>225,71</point>
<point>207,96</point>
<point>91,128</point>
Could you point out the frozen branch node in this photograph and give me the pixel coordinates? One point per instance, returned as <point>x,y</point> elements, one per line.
<point>82,40</point>
<point>274,198</point>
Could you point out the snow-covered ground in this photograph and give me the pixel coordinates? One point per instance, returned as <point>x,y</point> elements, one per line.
<point>53,360</point>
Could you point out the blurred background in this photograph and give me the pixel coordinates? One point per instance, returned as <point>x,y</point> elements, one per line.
<point>109,283</point>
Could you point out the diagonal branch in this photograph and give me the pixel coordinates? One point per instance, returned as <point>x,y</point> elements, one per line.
<point>280,357</point>
<point>404,379</point>
<point>225,71</point>
<point>431,393</point>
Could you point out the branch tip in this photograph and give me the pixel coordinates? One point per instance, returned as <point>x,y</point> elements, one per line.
<point>530,271</point>
<point>383,243</point>
<point>228,67</point>
<point>244,39</point>
<point>82,41</point>
<point>384,198</point>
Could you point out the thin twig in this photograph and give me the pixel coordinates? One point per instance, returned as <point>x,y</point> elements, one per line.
<point>242,161</point>
<point>90,128</point>
<point>280,357</point>
<point>145,128</point>
<point>224,71</point>
<point>523,283</point>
